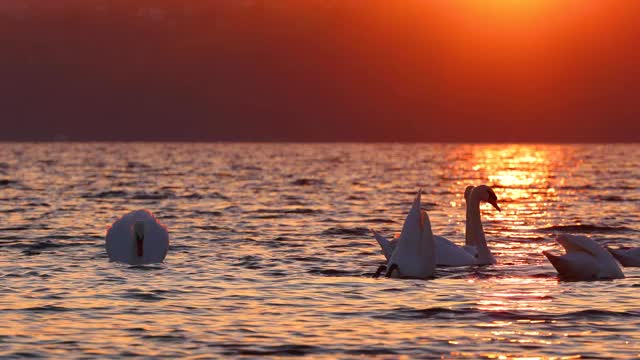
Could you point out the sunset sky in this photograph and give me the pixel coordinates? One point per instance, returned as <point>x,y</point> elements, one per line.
<point>320,70</point>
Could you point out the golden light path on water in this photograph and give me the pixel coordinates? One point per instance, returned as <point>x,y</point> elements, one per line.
<point>271,253</point>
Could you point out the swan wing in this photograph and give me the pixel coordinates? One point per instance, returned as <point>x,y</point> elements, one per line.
<point>156,243</point>
<point>574,266</point>
<point>118,241</point>
<point>385,245</point>
<point>414,255</point>
<point>450,254</point>
<point>411,227</point>
<point>585,259</point>
<point>472,250</point>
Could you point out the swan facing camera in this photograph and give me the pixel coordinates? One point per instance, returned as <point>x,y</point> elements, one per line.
<point>137,238</point>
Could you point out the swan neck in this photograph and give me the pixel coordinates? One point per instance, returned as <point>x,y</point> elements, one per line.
<point>474,227</point>
<point>138,246</point>
<point>468,237</point>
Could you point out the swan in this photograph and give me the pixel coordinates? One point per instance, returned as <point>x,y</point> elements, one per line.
<point>137,238</point>
<point>475,251</point>
<point>414,253</point>
<point>627,257</point>
<point>585,259</point>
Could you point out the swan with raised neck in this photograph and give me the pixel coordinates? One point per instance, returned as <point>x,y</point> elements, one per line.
<point>476,238</point>
<point>447,252</point>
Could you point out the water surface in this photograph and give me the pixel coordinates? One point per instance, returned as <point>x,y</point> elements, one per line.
<point>271,253</point>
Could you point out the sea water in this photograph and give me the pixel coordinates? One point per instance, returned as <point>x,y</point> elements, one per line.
<point>271,251</point>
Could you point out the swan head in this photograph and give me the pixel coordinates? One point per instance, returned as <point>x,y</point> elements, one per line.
<point>467,192</point>
<point>138,232</point>
<point>486,193</point>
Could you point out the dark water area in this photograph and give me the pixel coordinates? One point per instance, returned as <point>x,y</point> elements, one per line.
<point>271,252</point>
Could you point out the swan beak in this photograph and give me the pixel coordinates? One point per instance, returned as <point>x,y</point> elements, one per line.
<point>495,204</point>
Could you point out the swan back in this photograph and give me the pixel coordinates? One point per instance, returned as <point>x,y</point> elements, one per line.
<point>121,237</point>
<point>574,266</point>
<point>585,259</point>
<point>626,257</point>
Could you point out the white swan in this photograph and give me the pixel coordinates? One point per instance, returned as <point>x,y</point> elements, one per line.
<point>627,257</point>
<point>447,253</point>
<point>414,253</point>
<point>585,259</point>
<point>475,251</point>
<point>137,238</point>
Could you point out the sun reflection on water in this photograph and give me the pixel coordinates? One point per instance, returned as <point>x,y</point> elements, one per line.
<point>516,294</point>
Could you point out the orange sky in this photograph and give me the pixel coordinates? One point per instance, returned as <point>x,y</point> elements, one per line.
<point>464,70</point>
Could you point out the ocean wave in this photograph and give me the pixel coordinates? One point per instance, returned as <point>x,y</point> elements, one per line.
<point>14,210</point>
<point>47,308</point>
<point>613,198</point>
<point>379,221</point>
<point>276,350</point>
<point>139,195</point>
<point>212,195</point>
<point>356,197</point>
<point>143,295</point>
<point>38,204</point>
<point>333,272</point>
<point>250,262</point>
<point>586,228</point>
<point>208,227</point>
<point>25,227</point>
<point>137,165</point>
<point>165,338</point>
<point>307,182</point>
<point>425,204</point>
<point>448,313</point>
<point>349,232</point>
<point>592,187</point>
<point>36,248</point>
<point>301,211</point>
<point>207,213</point>
<point>349,245</point>
<point>154,195</point>
<point>106,194</point>
<point>9,183</point>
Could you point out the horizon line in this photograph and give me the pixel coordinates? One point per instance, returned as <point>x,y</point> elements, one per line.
<point>176,141</point>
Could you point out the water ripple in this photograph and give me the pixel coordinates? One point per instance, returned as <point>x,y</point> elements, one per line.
<point>271,253</point>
